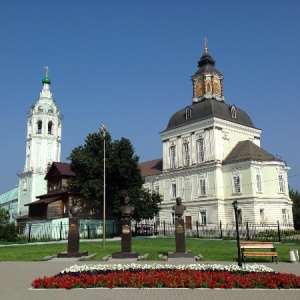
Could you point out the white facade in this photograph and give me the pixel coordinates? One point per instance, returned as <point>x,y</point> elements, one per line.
<point>215,158</point>
<point>43,146</point>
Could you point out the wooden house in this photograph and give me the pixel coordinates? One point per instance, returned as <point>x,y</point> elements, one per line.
<point>56,203</point>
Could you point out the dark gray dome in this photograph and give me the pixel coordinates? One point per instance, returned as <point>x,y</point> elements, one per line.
<point>206,64</point>
<point>206,109</point>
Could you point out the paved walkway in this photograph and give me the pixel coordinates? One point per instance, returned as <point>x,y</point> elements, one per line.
<point>16,278</point>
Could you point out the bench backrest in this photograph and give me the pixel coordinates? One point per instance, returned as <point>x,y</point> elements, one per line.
<point>257,245</point>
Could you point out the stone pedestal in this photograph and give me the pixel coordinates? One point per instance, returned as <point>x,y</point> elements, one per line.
<point>125,241</point>
<point>180,241</point>
<point>73,241</point>
<point>180,235</point>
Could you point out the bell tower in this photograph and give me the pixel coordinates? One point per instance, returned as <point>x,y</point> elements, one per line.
<point>207,81</point>
<point>43,146</point>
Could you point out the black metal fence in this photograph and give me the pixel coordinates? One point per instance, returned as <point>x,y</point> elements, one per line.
<point>43,232</point>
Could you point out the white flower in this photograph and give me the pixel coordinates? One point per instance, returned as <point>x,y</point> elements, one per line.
<point>155,266</point>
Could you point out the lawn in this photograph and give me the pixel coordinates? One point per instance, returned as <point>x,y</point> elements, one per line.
<point>210,250</point>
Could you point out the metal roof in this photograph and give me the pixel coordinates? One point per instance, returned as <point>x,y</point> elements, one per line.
<point>247,150</point>
<point>151,167</point>
<point>209,108</point>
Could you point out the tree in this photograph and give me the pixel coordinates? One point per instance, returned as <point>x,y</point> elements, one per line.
<point>4,216</point>
<point>295,196</point>
<point>147,205</point>
<point>122,173</point>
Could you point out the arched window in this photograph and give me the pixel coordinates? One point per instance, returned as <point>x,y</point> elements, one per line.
<point>172,157</point>
<point>186,153</point>
<point>233,112</point>
<point>39,127</point>
<point>188,113</point>
<point>201,150</point>
<point>50,125</point>
<point>208,87</point>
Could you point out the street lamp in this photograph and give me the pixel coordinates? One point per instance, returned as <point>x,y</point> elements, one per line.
<point>103,132</point>
<point>235,205</point>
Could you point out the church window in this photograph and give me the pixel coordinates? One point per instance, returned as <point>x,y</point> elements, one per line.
<point>233,111</point>
<point>202,186</point>
<point>208,87</point>
<point>25,184</point>
<point>50,110</point>
<point>188,113</point>
<point>285,216</point>
<point>173,157</point>
<point>50,125</point>
<point>200,144</point>
<point>173,218</point>
<point>39,127</point>
<point>281,183</point>
<point>203,217</point>
<point>258,182</point>
<point>40,109</point>
<point>186,154</point>
<point>173,190</point>
<point>262,215</point>
<point>236,181</point>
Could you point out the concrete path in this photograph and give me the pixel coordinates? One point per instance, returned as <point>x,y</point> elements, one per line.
<point>16,278</point>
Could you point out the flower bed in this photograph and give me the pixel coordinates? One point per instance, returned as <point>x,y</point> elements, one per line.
<point>168,276</point>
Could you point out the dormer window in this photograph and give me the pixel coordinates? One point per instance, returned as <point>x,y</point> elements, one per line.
<point>188,113</point>
<point>233,112</point>
<point>39,127</point>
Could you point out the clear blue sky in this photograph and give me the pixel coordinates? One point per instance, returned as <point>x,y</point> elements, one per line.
<point>127,64</point>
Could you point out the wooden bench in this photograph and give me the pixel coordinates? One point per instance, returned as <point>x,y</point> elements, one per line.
<point>258,245</point>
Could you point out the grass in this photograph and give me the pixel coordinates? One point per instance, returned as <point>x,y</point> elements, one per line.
<point>211,250</point>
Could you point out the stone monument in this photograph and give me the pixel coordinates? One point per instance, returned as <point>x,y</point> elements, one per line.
<point>73,235</point>
<point>126,211</point>
<point>179,209</point>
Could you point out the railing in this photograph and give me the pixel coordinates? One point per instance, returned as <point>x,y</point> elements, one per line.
<point>43,232</point>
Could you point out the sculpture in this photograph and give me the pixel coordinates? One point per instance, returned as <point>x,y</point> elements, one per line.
<point>74,209</point>
<point>179,208</point>
<point>127,210</point>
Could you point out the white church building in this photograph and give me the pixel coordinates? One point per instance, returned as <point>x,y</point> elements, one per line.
<point>43,146</point>
<point>211,156</point>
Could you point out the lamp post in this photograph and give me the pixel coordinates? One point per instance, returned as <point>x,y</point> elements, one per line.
<point>235,205</point>
<point>103,132</point>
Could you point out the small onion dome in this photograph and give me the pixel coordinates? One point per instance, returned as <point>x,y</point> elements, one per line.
<point>46,80</point>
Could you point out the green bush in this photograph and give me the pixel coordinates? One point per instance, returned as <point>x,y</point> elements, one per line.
<point>8,232</point>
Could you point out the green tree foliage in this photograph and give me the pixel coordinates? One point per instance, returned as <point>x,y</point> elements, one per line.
<point>4,216</point>
<point>295,196</point>
<point>147,205</point>
<point>8,231</point>
<point>122,173</point>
